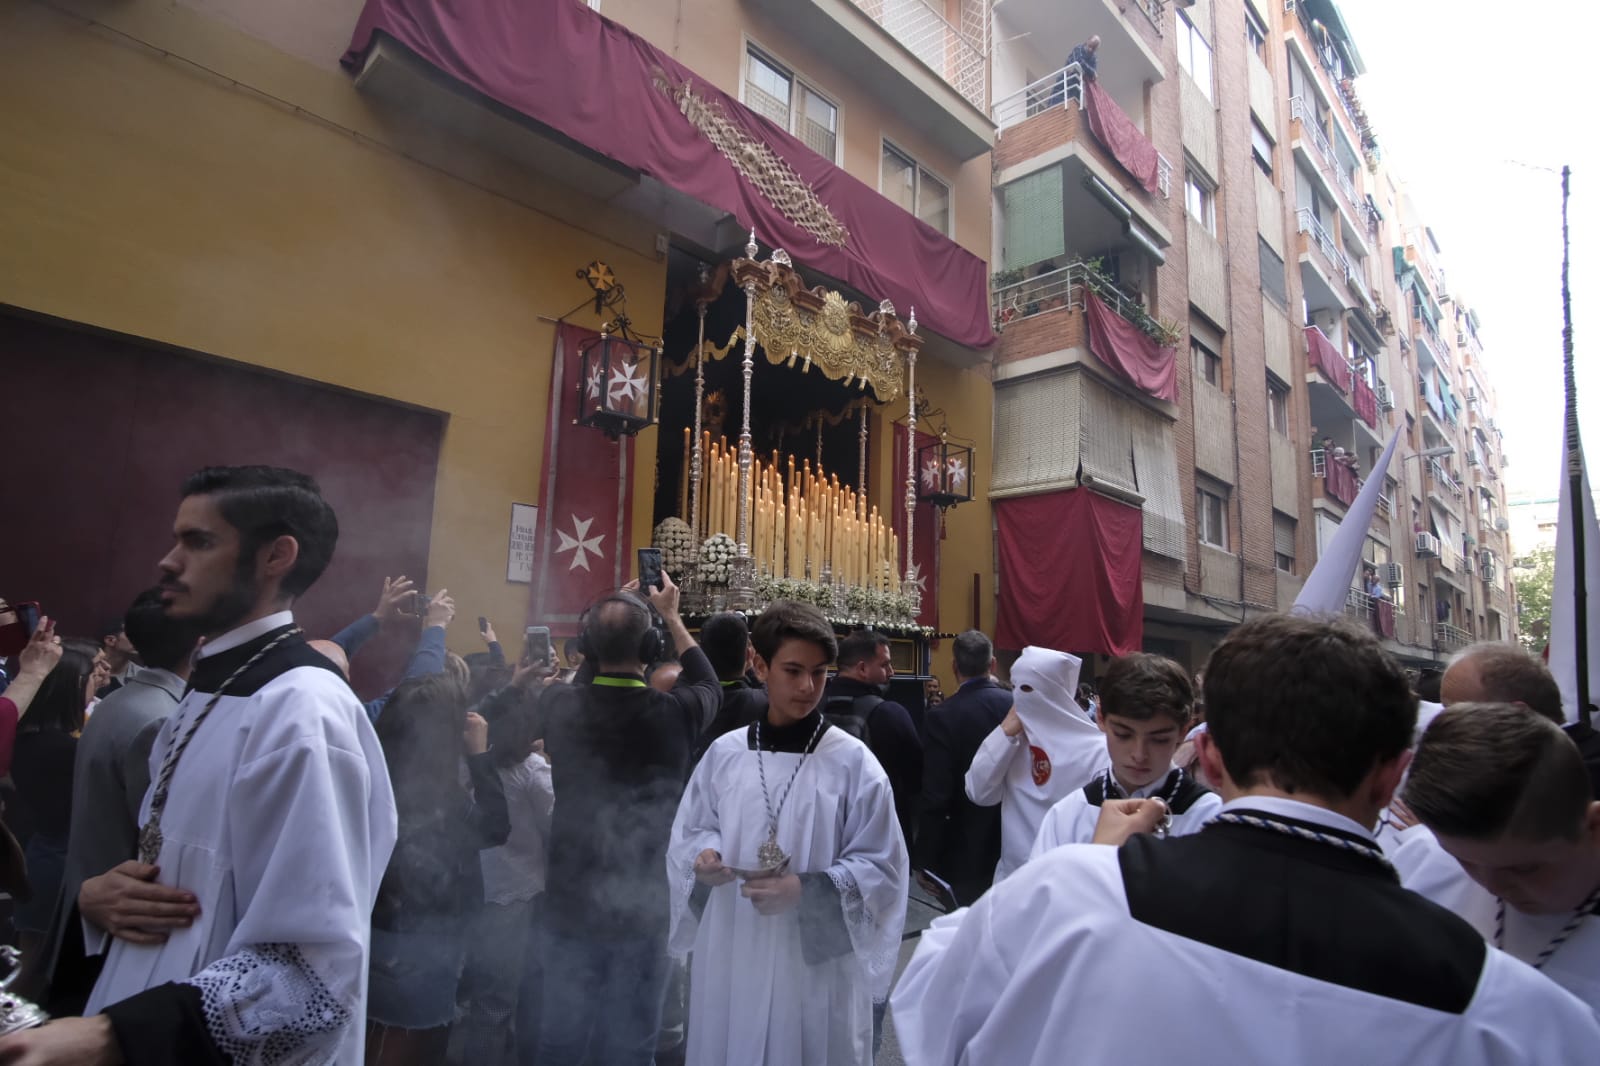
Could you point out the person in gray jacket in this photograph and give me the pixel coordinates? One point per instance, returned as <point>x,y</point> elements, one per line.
<point>111,776</point>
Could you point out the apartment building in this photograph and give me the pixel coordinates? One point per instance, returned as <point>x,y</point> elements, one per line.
<point>1214,199</point>
<point>341,235</point>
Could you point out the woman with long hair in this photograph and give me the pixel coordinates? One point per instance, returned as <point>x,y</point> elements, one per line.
<point>41,770</point>
<point>433,885</point>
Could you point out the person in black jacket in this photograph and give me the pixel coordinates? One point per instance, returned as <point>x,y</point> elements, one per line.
<point>958,841</point>
<point>434,884</point>
<point>855,701</point>
<point>620,755</point>
<point>725,638</point>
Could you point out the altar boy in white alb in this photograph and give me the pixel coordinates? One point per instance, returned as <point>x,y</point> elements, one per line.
<point>1146,702</point>
<point>242,929</point>
<point>788,963</point>
<point>1277,934</point>
<point>1045,750</point>
<point>1508,801</point>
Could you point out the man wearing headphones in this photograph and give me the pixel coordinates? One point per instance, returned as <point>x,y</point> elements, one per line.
<point>620,755</point>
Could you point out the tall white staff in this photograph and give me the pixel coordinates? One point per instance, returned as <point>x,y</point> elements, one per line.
<point>911,463</point>
<point>697,460</point>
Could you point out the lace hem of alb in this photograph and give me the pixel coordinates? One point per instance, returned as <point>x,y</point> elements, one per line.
<point>265,1006</point>
<point>878,958</point>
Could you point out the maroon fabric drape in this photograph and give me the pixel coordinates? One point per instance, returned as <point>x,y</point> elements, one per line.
<point>1366,401</point>
<point>560,63</point>
<point>1070,573</point>
<point>1131,352</point>
<point>585,538</point>
<point>1325,357</point>
<point>1383,617</point>
<point>1341,481</point>
<point>1126,142</point>
<point>925,545</point>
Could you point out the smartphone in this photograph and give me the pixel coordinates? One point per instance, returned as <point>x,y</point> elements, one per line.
<point>483,624</point>
<point>650,569</point>
<point>536,646</point>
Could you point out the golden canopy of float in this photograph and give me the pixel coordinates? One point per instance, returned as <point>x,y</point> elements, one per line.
<point>751,528</point>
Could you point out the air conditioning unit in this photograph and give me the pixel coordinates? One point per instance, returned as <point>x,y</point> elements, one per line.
<point>1472,458</point>
<point>1392,574</point>
<point>1490,575</point>
<point>1502,525</point>
<point>1486,560</point>
<point>1466,565</point>
<point>1385,398</point>
<point>1427,546</point>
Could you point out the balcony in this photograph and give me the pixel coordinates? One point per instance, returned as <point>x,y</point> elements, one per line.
<point>1376,612</point>
<point>1450,637</point>
<point>1130,33</point>
<point>1325,288</point>
<point>1040,119</point>
<point>1043,322</point>
<point>932,74</point>
<point>1339,480</point>
<point>1332,50</point>
<point>1310,140</point>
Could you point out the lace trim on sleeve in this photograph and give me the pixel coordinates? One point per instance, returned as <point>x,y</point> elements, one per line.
<point>266,1006</point>
<point>879,955</point>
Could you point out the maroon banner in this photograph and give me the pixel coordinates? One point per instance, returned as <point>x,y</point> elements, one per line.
<point>1071,573</point>
<point>925,545</point>
<point>1383,617</point>
<point>585,523</point>
<point>1126,142</point>
<point>1364,399</point>
<point>1340,480</point>
<point>560,63</point>
<point>1326,358</point>
<point>1130,351</point>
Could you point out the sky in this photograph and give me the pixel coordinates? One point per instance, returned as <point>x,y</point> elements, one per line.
<point>1466,102</point>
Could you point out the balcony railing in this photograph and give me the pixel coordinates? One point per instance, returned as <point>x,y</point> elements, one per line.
<point>1058,89</point>
<point>1324,241</point>
<point>1154,10</point>
<point>1442,478</point>
<point>1450,636</point>
<point>948,52</point>
<point>1358,284</point>
<point>1307,116</point>
<point>1064,288</point>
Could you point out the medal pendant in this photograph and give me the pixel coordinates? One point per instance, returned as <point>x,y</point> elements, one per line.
<point>769,855</point>
<point>150,842</point>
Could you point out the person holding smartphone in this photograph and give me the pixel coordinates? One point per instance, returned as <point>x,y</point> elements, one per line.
<point>620,753</point>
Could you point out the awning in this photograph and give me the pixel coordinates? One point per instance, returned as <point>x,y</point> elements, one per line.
<point>591,80</point>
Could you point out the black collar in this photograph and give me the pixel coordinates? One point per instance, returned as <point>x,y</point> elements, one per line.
<point>211,671</point>
<point>792,738</point>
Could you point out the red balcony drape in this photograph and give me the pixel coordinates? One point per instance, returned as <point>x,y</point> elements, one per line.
<point>592,80</point>
<point>1383,617</point>
<point>1126,142</point>
<point>1340,481</point>
<point>1326,358</point>
<point>1070,573</point>
<point>1366,401</point>
<point>1131,352</point>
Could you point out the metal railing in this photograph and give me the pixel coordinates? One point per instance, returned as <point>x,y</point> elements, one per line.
<point>1358,284</point>
<point>1063,288</point>
<point>1324,241</point>
<point>1450,636</point>
<point>1385,506</point>
<point>1153,10</point>
<point>1307,115</point>
<point>947,51</point>
<point>1058,89</point>
<point>1441,476</point>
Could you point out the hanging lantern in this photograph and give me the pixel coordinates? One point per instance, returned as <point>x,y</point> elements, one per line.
<point>944,472</point>
<point>617,385</point>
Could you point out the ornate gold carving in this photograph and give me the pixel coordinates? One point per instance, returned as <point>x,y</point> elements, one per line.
<point>775,179</point>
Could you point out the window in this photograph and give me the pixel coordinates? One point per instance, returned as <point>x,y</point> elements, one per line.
<point>1211,512</point>
<point>1261,147</point>
<point>1255,34</point>
<point>1274,282</point>
<point>1278,407</point>
<point>1194,54</point>
<point>773,92</point>
<point>912,187</point>
<point>1200,199</point>
<point>1207,363</point>
<point>1283,530</point>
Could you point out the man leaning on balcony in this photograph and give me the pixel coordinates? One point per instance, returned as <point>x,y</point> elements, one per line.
<point>1084,56</point>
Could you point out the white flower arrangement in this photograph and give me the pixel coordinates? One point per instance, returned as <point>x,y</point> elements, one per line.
<point>856,599</point>
<point>716,559</point>
<point>675,540</point>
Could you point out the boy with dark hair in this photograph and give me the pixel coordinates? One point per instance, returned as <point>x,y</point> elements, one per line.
<point>1146,702</point>
<point>1505,792</point>
<point>793,960</point>
<point>1311,952</point>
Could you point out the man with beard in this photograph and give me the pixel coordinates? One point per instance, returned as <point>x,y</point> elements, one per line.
<point>241,933</point>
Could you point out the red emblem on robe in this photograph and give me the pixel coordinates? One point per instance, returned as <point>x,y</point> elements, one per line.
<point>1041,765</point>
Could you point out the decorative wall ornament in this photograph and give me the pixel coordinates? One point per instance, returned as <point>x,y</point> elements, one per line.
<point>775,179</point>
